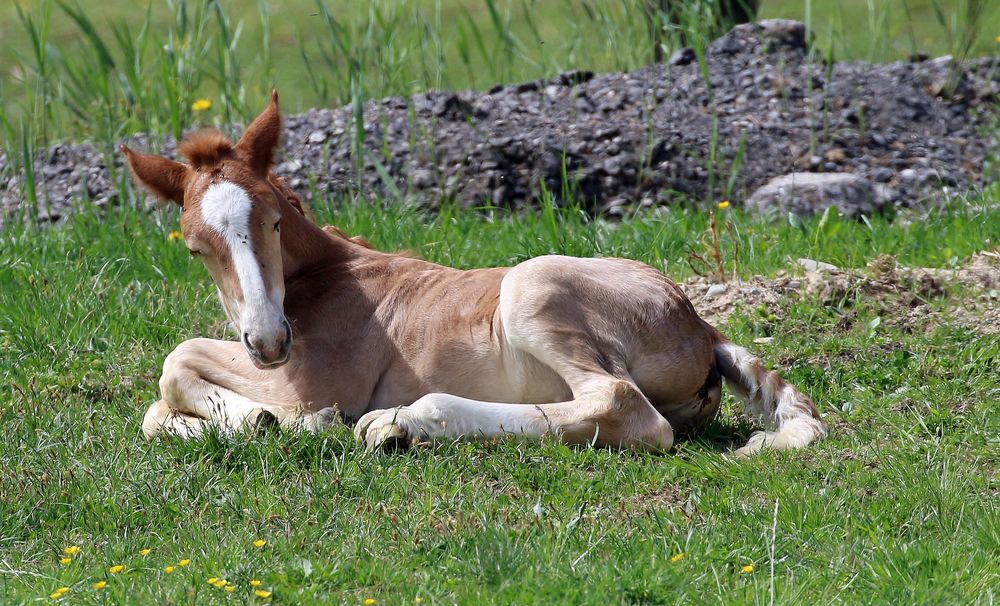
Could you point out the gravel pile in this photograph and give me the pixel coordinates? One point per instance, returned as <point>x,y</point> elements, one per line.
<point>905,131</point>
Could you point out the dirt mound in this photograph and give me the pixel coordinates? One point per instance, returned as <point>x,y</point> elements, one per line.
<point>970,292</point>
<point>764,106</point>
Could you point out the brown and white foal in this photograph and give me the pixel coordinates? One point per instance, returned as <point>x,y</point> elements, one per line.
<point>601,351</point>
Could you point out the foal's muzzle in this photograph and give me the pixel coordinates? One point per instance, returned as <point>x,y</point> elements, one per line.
<point>268,353</point>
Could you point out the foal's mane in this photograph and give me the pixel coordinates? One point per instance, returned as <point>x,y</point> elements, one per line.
<point>208,147</point>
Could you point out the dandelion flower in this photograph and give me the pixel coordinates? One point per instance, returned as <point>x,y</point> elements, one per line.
<point>747,569</point>
<point>221,583</point>
<point>369,601</point>
<point>58,593</point>
<point>71,550</point>
<point>262,593</point>
<point>174,235</point>
<point>100,585</point>
<point>419,600</point>
<point>65,561</point>
<point>997,39</point>
<point>183,563</point>
<point>212,580</point>
<point>116,568</point>
<point>255,583</point>
<point>230,588</point>
<point>201,105</point>
<point>144,552</point>
<point>677,558</point>
<point>723,205</point>
<point>169,569</point>
<point>259,543</point>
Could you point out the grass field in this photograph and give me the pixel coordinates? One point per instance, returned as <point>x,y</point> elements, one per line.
<point>898,506</point>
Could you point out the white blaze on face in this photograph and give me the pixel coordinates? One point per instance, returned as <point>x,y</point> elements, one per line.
<point>225,208</point>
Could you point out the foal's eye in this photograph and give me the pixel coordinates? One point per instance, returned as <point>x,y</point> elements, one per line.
<point>277,225</point>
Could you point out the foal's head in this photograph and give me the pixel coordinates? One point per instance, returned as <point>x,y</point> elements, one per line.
<point>231,211</point>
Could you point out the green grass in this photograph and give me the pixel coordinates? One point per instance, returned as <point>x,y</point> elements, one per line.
<point>897,506</point>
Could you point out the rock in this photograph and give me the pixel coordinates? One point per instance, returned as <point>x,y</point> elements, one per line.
<point>882,175</point>
<point>764,340</point>
<point>812,193</point>
<point>811,265</point>
<point>423,179</point>
<point>317,136</point>
<point>716,289</point>
<point>683,56</point>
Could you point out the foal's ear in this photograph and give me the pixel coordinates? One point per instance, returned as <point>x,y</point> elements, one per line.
<point>261,138</point>
<point>164,178</point>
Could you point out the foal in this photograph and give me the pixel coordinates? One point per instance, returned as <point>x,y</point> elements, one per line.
<point>601,351</point>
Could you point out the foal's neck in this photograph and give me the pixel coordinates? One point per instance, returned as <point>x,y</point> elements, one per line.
<point>305,246</point>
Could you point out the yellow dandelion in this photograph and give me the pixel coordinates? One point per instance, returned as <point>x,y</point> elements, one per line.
<point>116,568</point>
<point>997,39</point>
<point>71,550</point>
<point>174,236</point>
<point>201,105</point>
<point>100,585</point>
<point>212,580</point>
<point>65,561</point>
<point>183,563</point>
<point>259,543</point>
<point>262,593</point>
<point>419,600</point>
<point>144,552</point>
<point>747,569</point>
<point>723,205</point>
<point>58,593</point>
<point>221,583</point>
<point>677,558</point>
<point>254,583</point>
<point>369,601</point>
<point>230,588</point>
<point>169,569</point>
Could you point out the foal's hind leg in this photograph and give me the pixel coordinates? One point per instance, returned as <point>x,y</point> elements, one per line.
<point>606,409</point>
<point>608,412</point>
<point>208,382</point>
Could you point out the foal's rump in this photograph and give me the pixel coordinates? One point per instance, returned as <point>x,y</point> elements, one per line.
<point>617,316</point>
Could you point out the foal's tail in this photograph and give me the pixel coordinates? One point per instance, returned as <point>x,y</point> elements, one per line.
<point>770,398</point>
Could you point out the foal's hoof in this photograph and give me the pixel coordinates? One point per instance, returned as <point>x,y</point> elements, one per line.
<point>262,421</point>
<point>321,419</point>
<point>383,430</point>
<point>760,440</point>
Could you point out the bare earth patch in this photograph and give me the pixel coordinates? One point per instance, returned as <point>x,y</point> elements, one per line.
<point>970,293</point>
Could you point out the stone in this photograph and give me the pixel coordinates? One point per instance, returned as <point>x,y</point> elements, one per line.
<point>807,194</point>
<point>683,56</point>
<point>716,290</point>
<point>812,265</point>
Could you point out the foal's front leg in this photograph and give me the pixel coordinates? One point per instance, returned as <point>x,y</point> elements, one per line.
<point>208,382</point>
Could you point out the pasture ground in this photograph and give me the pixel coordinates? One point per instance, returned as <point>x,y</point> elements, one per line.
<point>898,505</point>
